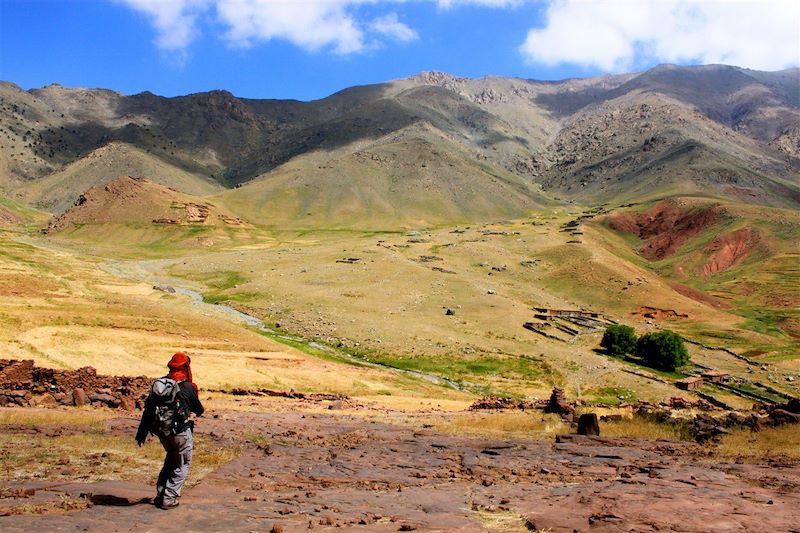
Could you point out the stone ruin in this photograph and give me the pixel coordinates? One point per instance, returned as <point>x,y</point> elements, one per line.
<point>26,385</point>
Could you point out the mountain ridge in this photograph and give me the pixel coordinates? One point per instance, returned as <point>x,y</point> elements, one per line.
<point>586,140</point>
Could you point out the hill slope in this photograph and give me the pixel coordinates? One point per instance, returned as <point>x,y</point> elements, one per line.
<point>416,177</point>
<point>128,200</point>
<point>59,190</point>
<point>733,256</point>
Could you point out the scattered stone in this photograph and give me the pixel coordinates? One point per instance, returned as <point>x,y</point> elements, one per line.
<point>107,399</point>
<point>497,402</point>
<point>450,311</point>
<point>164,288</point>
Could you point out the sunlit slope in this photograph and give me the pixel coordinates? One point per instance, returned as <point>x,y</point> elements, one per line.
<point>64,311</point>
<point>58,191</point>
<point>741,258</point>
<point>135,216</point>
<point>414,178</point>
<point>13,213</point>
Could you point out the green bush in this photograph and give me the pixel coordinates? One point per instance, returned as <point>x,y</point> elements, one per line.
<point>619,340</point>
<point>663,350</point>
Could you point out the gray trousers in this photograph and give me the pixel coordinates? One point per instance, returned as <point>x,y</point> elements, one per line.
<point>176,465</point>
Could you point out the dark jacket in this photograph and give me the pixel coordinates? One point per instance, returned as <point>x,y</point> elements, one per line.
<point>186,395</point>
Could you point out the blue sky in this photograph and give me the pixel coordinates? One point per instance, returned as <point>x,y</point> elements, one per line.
<point>307,49</point>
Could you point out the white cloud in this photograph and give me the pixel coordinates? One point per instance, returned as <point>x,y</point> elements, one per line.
<point>175,21</point>
<point>618,35</point>
<point>310,24</point>
<point>393,28</point>
<point>446,4</point>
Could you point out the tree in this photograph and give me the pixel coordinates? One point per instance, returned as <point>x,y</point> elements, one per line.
<point>619,340</point>
<point>663,350</point>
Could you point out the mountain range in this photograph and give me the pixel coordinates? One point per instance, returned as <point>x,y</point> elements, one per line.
<point>426,150</point>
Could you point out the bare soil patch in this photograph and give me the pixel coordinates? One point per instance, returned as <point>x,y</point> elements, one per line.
<point>8,217</point>
<point>699,296</point>
<point>666,226</point>
<point>729,250</point>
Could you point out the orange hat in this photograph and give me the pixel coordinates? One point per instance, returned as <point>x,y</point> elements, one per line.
<point>179,360</point>
<point>180,369</point>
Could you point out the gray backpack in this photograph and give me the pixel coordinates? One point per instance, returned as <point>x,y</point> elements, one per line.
<point>169,414</point>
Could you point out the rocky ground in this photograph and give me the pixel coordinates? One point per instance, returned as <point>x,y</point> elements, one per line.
<point>331,470</point>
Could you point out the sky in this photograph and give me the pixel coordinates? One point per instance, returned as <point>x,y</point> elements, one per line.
<point>308,49</point>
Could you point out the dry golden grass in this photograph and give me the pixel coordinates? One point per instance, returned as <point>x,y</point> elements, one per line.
<point>86,317</point>
<point>638,427</point>
<point>507,521</point>
<point>760,446</point>
<point>93,456</point>
<point>507,424</point>
<point>81,457</point>
<point>94,419</point>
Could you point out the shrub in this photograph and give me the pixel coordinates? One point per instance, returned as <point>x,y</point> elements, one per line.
<point>663,350</point>
<point>619,340</point>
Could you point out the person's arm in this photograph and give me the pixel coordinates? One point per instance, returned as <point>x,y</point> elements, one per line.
<point>194,401</point>
<point>145,423</point>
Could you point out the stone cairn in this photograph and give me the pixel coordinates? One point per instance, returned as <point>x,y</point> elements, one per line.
<point>558,404</point>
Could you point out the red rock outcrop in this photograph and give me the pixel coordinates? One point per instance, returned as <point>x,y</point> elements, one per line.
<point>666,226</point>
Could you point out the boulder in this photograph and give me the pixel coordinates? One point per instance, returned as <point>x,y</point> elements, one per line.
<point>588,425</point>
<point>105,399</point>
<point>47,400</point>
<point>127,403</point>
<point>79,398</point>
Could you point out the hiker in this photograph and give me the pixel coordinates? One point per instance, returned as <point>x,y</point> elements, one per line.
<point>167,415</point>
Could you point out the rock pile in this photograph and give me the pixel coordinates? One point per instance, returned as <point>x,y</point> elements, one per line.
<point>558,403</point>
<point>497,402</point>
<point>712,422</point>
<point>24,384</point>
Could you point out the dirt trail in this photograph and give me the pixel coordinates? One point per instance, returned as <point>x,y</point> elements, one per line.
<point>335,472</point>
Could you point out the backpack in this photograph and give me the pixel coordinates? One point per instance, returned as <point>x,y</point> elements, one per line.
<point>170,411</point>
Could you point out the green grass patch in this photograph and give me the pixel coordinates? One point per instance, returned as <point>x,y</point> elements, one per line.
<point>634,361</point>
<point>215,297</point>
<point>466,369</point>
<point>610,395</point>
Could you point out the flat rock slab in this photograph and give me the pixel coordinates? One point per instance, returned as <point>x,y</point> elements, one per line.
<point>328,472</point>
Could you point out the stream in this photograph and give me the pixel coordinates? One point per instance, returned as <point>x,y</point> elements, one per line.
<point>136,271</point>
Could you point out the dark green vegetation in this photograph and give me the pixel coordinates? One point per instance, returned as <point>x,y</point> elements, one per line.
<point>619,340</point>
<point>663,350</point>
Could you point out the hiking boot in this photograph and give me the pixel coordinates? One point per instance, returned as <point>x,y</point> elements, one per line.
<point>168,505</point>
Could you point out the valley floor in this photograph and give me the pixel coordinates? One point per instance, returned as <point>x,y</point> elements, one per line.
<point>296,467</point>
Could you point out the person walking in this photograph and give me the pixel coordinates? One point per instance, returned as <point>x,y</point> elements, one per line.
<point>167,415</point>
